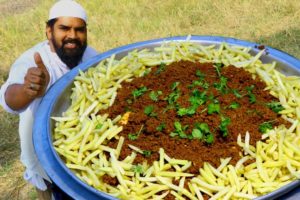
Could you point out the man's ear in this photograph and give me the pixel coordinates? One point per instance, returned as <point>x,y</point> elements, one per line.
<point>49,32</point>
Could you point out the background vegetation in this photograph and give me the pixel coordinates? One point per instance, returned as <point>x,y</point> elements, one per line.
<point>113,23</point>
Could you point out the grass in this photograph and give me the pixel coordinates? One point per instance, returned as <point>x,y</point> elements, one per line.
<point>118,22</point>
<point>113,23</point>
<point>9,147</point>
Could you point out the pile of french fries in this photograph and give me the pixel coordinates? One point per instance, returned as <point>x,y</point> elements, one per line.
<point>80,135</point>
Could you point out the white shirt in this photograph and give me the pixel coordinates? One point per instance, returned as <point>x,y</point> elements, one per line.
<point>34,172</point>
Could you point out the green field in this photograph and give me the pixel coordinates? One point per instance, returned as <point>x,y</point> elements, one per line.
<point>114,23</point>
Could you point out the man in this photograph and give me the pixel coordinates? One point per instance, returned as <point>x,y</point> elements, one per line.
<point>36,70</point>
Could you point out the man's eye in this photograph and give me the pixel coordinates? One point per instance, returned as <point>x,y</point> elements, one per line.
<point>81,29</point>
<point>64,28</point>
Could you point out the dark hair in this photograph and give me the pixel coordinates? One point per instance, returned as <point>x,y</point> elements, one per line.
<point>51,22</point>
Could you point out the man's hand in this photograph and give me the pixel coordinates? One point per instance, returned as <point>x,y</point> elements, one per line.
<point>36,79</point>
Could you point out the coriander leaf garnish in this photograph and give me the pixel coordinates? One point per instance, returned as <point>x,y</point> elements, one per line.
<point>174,85</point>
<point>201,131</point>
<point>137,169</point>
<point>203,127</point>
<point>200,74</point>
<point>196,83</point>
<point>209,139</point>
<point>139,92</point>
<point>154,95</point>
<point>173,134</point>
<point>161,68</point>
<point>187,111</point>
<point>98,126</point>
<point>161,127</point>
<point>264,127</point>
<point>200,83</point>
<point>250,88</point>
<point>252,98</point>
<point>179,130</point>
<point>222,85</point>
<point>147,71</point>
<point>213,108</point>
<point>134,136</point>
<point>198,98</point>
<point>224,126</point>
<point>234,105</point>
<point>147,153</point>
<point>275,106</point>
<point>236,93</point>
<point>197,134</point>
<point>172,98</point>
<point>149,110</point>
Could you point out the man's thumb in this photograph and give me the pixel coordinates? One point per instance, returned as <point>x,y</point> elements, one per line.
<point>39,62</point>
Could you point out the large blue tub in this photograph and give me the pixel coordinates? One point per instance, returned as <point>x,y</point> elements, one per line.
<point>57,100</point>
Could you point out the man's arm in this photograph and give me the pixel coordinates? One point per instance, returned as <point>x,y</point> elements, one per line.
<point>19,96</point>
<point>16,97</point>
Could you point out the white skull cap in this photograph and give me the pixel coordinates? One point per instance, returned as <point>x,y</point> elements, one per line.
<point>67,8</point>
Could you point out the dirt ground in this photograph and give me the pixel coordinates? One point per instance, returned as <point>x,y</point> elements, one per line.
<point>13,186</point>
<point>17,6</point>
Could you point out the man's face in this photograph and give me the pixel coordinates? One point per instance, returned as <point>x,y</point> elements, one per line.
<point>68,37</point>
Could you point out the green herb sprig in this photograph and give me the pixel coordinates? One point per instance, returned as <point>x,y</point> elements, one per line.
<point>222,85</point>
<point>252,98</point>
<point>275,106</point>
<point>196,99</point>
<point>236,93</point>
<point>154,95</point>
<point>174,85</point>
<point>264,127</point>
<point>234,105</point>
<point>139,92</point>
<point>213,108</point>
<point>201,131</point>
<point>134,136</point>
<point>160,69</point>
<point>161,127</point>
<point>149,110</point>
<point>179,130</point>
<point>147,153</point>
<point>172,100</point>
<point>224,126</point>
<point>99,126</point>
<point>137,169</point>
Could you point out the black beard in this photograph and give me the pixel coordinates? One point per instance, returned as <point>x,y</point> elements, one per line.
<point>73,57</point>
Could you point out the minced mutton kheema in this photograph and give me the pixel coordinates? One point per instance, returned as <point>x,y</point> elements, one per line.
<point>226,101</point>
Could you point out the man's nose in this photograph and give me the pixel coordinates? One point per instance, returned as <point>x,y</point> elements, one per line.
<point>72,34</point>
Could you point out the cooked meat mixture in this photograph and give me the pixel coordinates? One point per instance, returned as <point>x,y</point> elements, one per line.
<point>194,111</point>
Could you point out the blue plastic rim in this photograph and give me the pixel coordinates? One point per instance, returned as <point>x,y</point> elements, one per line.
<point>53,165</point>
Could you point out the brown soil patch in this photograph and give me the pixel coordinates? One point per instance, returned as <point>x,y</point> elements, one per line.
<point>13,186</point>
<point>16,7</point>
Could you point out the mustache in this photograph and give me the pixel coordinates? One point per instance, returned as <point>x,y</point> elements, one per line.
<point>75,41</point>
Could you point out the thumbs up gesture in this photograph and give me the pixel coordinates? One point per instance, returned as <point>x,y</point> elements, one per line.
<point>37,78</point>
